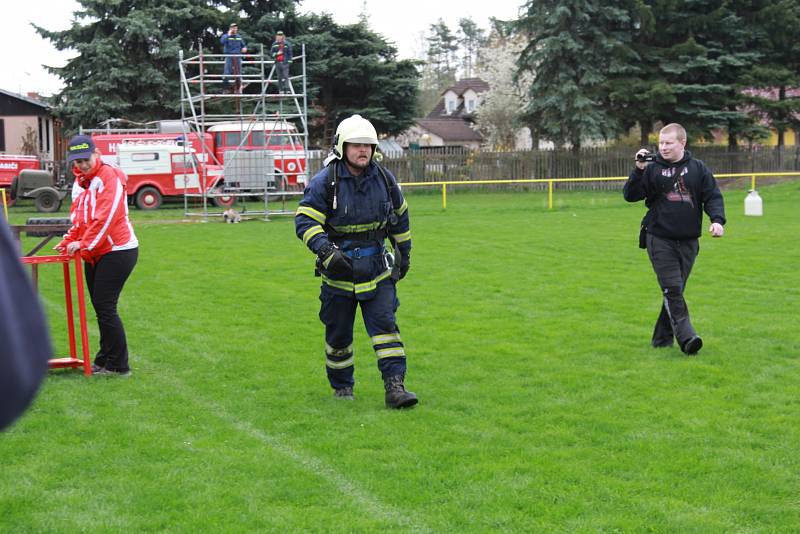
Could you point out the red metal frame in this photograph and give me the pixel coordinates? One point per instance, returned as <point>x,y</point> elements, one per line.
<point>72,361</point>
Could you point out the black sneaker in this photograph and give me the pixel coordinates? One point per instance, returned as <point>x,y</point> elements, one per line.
<point>345,393</point>
<point>96,368</point>
<point>693,346</point>
<point>111,372</point>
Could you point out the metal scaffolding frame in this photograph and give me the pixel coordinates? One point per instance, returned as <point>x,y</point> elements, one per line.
<point>205,103</point>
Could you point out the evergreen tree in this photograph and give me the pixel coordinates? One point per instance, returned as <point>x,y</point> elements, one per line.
<point>776,34</point>
<point>574,48</point>
<point>354,70</point>
<point>442,47</point>
<point>471,39</point>
<point>127,62</point>
<point>702,51</point>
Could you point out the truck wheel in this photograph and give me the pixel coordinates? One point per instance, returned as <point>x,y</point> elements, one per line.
<point>47,202</point>
<point>225,201</point>
<point>148,198</point>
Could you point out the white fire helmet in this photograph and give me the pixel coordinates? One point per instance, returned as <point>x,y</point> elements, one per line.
<point>355,129</point>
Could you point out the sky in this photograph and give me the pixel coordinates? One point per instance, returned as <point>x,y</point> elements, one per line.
<point>403,22</point>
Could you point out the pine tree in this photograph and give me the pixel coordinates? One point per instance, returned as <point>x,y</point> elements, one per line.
<point>442,47</point>
<point>574,48</point>
<point>471,39</point>
<point>702,50</point>
<point>776,33</point>
<point>127,62</point>
<point>354,70</point>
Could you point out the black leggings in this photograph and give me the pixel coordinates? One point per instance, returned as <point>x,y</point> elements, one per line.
<point>105,280</point>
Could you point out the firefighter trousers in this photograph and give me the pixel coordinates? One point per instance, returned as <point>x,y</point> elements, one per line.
<point>672,262</point>
<point>338,313</point>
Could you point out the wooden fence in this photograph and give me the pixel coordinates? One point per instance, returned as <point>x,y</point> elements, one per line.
<point>460,164</point>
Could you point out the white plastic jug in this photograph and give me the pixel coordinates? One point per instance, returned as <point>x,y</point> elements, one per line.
<point>752,204</point>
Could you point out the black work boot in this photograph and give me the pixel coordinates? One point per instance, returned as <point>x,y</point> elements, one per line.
<point>692,346</point>
<point>345,393</point>
<point>396,394</point>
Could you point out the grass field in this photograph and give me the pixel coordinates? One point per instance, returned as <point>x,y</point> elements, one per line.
<point>543,408</point>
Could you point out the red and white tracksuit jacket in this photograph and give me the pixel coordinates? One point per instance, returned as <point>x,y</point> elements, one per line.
<point>99,212</point>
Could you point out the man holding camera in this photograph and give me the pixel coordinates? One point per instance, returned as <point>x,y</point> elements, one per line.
<point>676,189</point>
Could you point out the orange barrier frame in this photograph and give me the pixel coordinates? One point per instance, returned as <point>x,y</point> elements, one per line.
<point>71,361</point>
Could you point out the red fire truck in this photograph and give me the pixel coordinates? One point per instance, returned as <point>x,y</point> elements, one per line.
<point>157,170</point>
<point>108,143</point>
<point>10,167</point>
<point>280,138</point>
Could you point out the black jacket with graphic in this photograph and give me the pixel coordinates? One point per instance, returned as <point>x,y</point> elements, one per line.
<point>676,195</point>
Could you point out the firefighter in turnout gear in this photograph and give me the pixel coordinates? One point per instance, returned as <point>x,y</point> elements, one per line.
<point>348,211</point>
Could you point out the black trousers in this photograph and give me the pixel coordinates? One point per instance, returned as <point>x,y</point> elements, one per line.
<point>672,262</point>
<point>105,280</point>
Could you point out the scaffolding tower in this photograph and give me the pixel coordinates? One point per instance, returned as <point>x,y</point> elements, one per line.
<point>268,126</point>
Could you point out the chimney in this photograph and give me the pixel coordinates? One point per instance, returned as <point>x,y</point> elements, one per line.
<point>33,95</point>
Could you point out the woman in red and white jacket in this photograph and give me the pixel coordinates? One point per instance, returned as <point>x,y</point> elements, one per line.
<point>103,235</point>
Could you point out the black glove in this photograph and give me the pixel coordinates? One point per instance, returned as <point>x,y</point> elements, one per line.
<point>405,266</point>
<point>333,262</point>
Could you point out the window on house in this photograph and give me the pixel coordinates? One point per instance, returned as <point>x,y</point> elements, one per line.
<point>41,137</point>
<point>451,106</point>
<point>48,125</point>
<point>470,105</point>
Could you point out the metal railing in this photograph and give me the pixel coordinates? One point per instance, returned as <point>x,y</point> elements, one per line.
<point>552,181</point>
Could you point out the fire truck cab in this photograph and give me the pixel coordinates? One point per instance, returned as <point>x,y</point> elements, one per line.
<point>159,170</point>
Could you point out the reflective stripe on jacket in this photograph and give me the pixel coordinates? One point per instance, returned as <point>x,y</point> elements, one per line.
<point>232,44</point>
<point>99,212</point>
<point>363,205</point>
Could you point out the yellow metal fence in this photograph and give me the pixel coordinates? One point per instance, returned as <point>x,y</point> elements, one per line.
<point>552,181</point>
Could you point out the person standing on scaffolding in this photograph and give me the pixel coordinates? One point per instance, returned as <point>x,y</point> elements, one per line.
<point>233,45</point>
<point>282,54</point>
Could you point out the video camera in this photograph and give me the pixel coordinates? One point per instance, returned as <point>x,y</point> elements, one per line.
<point>647,156</point>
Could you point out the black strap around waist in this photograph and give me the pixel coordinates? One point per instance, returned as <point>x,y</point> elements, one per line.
<point>370,235</point>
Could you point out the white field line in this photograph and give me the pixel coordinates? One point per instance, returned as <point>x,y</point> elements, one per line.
<point>308,462</point>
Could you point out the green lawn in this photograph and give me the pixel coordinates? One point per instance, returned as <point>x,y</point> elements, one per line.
<point>542,406</point>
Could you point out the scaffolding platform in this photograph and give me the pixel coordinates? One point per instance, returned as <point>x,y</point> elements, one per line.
<point>259,129</point>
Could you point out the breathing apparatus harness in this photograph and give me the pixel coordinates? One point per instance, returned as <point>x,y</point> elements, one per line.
<point>395,260</point>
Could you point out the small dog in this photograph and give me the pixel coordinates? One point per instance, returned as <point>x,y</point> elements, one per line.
<point>231,216</point>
